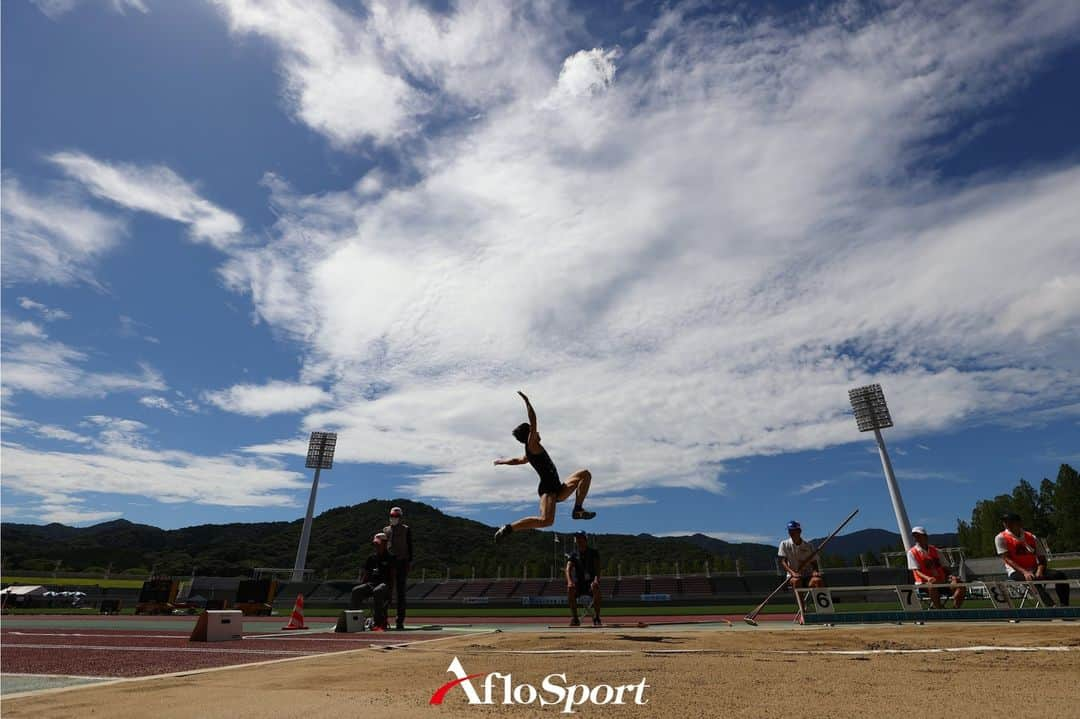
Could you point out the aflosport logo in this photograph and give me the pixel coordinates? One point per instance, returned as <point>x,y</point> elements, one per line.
<point>498,688</point>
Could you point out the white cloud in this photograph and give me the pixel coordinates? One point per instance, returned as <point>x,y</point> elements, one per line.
<point>33,363</point>
<point>271,398</point>
<point>587,72</point>
<point>54,9</point>
<point>52,238</point>
<point>929,475</point>
<point>619,501</point>
<point>381,76</point>
<point>811,486</point>
<point>49,314</point>
<point>66,514</point>
<point>155,189</point>
<point>689,267</point>
<point>176,406</point>
<point>120,459</point>
<point>18,328</point>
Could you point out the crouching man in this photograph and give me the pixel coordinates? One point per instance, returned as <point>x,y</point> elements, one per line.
<point>583,578</point>
<point>376,581</point>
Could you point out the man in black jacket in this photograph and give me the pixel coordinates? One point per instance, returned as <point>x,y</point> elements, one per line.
<point>401,549</point>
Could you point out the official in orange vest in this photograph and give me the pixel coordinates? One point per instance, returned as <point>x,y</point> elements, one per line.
<point>1025,561</point>
<point>928,571</point>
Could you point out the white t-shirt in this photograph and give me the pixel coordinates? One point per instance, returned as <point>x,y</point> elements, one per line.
<point>796,554</point>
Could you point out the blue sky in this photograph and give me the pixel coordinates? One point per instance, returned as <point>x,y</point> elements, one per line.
<point>684,231</point>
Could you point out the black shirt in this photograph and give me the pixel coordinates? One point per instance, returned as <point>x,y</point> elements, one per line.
<point>586,565</point>
<point>377,569</point>
<point>549,476</point>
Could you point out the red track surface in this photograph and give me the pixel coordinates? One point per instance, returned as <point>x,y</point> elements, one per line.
<point>131,653</point>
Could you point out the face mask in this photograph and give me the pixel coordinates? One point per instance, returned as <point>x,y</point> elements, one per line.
<point>395,521</point>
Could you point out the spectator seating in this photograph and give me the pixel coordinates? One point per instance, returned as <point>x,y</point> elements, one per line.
<point>664,585</point>
<point>728,586</point>
<point>530,588</point>
<point>501,589</point>
<point>446,590</point>
<point>420,590</point>
<point>845,577</point>
<point>631,586</point>
<point>474,589</point>
<point>696,586</point>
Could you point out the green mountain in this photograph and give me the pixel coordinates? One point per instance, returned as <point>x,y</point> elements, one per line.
<point>340,540</point>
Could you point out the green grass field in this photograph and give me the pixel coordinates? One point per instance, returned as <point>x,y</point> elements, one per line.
<point>75,582</point>
<point>1065,563</point>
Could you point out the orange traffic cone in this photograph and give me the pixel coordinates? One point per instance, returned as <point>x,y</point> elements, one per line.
<point>296,621</point>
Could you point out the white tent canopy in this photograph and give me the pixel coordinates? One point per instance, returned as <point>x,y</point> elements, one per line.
<point>25,590</point>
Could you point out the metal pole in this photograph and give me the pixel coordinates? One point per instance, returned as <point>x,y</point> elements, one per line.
<point>305,535</point>
<point>894,493</point>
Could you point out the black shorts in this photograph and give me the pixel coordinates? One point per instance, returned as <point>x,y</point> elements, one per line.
<point>582,586</point>
<point>545,488</point>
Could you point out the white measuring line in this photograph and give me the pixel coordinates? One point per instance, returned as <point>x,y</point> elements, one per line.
<point>209,670</point>
<point>557,651</point>
<point>941,650</point>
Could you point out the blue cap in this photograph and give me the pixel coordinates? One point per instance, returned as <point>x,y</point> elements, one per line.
<point>794,525</point>
<point>581,533</point>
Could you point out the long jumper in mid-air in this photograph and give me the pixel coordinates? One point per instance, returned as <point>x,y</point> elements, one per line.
<point>551,490</point>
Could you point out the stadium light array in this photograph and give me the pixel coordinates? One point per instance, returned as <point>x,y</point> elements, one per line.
<point>320,456</point>
<point>872,415</point>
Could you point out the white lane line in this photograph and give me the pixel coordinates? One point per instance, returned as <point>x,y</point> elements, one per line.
<point>556,651</point>
<point>208,670</point>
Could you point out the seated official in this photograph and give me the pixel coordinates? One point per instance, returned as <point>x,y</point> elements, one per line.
<point>799,559</point>
<point>376,581</point>
<point>1025,561</point>
<point>930,573</point>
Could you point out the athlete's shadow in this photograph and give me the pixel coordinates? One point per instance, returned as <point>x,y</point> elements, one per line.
<point>650,638</point>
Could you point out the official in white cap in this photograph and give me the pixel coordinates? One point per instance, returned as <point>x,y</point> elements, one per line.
<point>929,572</point>
<point>376,580</point>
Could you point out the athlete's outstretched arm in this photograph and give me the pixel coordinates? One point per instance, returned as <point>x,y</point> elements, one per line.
<point>534,433</point>
<point>515,460</point>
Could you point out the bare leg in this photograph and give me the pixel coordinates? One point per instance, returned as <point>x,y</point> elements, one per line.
<point>796,583</point>
<point>571,596</point>
<point>596,602</point>
<point>546,518</point>
<point>577,484</point>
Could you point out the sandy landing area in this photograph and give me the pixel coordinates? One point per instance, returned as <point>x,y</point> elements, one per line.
<point>689,673</point>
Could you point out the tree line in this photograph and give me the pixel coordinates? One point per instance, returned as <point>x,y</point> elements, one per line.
<point>1051,512</point>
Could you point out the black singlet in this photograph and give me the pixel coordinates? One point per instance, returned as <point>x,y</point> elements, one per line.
<point>549,476</point>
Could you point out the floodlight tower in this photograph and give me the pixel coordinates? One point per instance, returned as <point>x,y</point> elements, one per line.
<point>871,413</point>
<point>320,456</point>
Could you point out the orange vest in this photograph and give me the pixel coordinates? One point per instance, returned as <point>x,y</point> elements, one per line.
<point>928,562</point>
<point>1021,551</point>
